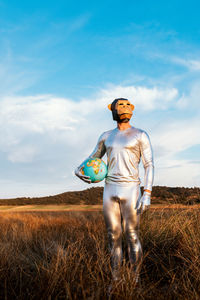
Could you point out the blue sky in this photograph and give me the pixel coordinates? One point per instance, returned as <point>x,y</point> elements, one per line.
<point>62,62</point>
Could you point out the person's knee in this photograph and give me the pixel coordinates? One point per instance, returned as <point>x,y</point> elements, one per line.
<point>114,235</point>
<point>131,235</point>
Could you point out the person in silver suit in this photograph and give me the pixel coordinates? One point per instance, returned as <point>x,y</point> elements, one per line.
<point>123,204</point>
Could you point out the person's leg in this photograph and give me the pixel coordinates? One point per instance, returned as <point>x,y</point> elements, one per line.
<point>131,222</point>
<point>112,217</point>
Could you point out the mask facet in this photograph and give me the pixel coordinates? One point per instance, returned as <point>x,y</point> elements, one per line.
<point>122,110</point>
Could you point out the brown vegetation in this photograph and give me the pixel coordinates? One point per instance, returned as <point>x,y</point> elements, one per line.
<point>55,255</point>
<point>94,195</point>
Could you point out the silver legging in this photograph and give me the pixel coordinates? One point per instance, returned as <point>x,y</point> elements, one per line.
<point>120,214</point>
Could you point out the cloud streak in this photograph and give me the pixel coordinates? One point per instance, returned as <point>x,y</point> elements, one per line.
<point>191,64</point>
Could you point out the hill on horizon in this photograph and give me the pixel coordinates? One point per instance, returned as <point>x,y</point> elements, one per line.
<point>94,195</point>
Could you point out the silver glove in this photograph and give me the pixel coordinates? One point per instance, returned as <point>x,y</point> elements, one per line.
<point>145,202</point>
<point>79,173</point>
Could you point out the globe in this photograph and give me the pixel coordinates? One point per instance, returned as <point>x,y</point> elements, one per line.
<point>95,168</point>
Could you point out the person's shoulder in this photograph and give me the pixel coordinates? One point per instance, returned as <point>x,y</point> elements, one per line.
<point>137,130</point>
<point>140,132</point>
<point>106,134</point>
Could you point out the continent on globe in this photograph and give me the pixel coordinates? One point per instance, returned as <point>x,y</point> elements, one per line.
<point>95,168</point>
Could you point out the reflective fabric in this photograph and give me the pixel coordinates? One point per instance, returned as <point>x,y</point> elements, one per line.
<point>120,214</point>
<point>124,149</point>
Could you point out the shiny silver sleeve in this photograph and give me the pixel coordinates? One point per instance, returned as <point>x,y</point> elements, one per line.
<point>98,151</point>
<point>100,148</point>
<point>147,160</point>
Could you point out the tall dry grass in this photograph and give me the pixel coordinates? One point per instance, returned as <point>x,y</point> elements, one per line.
<point>64,256</point>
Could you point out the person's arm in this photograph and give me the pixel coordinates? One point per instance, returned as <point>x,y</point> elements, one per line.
<point>98,152</point>
<point>147,160</point>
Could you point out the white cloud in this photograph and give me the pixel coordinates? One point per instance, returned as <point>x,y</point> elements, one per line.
<point>22,154</point>
<point>175,172</point>
<point>57,117</point>
<point>50,136</point>
<point>169,140</point>
<point>190,101</point>
<point>144,98</point>
<point>191,64</point>
<point>175,137</point>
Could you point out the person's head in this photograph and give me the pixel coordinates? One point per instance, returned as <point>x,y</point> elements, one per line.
<point>122,110</point>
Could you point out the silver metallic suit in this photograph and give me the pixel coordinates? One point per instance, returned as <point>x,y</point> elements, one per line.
<point>122,196</point>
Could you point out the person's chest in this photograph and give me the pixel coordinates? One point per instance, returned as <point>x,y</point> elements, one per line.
<point>118,141</point>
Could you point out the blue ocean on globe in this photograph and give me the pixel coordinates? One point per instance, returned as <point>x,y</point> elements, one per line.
<point>95,168</point>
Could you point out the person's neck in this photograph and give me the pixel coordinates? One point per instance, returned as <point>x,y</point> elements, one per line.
<point>123,126</point>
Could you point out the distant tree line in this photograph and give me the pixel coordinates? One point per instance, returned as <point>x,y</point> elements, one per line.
<point>94,195</point>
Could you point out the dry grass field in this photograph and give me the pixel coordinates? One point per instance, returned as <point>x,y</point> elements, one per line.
<point>63,255</point>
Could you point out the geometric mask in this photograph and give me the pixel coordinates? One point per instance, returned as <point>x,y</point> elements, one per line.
<point>122,110</point>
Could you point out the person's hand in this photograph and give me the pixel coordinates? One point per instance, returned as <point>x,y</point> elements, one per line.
<point>79,174</point>
<point>145,201</point>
